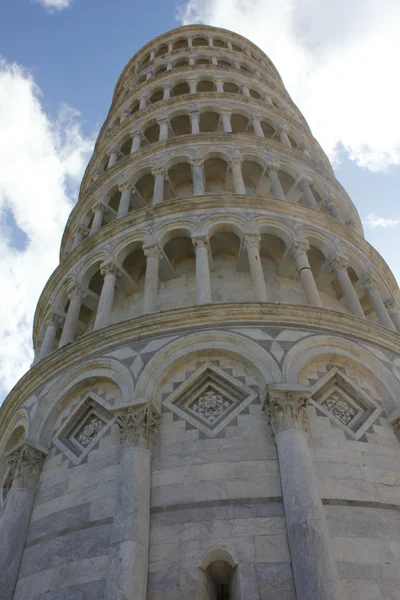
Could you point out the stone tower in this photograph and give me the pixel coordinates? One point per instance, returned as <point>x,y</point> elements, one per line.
<point>213,409</point>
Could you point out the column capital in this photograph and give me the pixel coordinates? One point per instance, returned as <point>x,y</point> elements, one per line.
<point>109,267</point>
<point>193,80</point>
<point>236,160</point>
<point>153,250</point>
<point>54,319</point>
<point>368,283</point>
<point>327,201</point>
<point>304,182</point>
<point>339,263</point>
<point>286,408</point>
<point>200,241</point>
<point>75,291</point>
<point>252,240</point>
<point>198,162</point>
<point>162,120</point>
<point>114,150</point>
<point>125,185</point>
<point>299,248</point>
<point>135,132</point>
<point>83,229</point>
<point>158,171</point>
<point>25,465</point>
<point>272,168</point>
<point>391,306</point>
<point>100,206</point>
<point>138,426</point>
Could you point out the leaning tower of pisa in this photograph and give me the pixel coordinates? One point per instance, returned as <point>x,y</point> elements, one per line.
<point>214,407</point>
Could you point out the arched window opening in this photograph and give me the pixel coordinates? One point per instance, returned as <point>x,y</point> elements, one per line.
<point>180,125</point>
<point>115,200</point>
<point>16,437</point>
<point>144,189</point>
<point>157,96</point>
<point>152,133</point>
<point>245,69</point>
<point>254,94</point>
<point>146,59</point>
<point>218,44</point>
<point>199,42</point>
<point>203,61</point>
<point>224,63</point>
<point>236,48</point>
<point>268,130</point>
<point>216,175</point>
<point>162,50</point>
<point>180,89</point>
<point>240,124</point>
<point>180,44</point>
<point>252,174</point>
<point>135,107</point>
<point>205,86</point>
<point>231,88</point>
<point>209,122</point>
<point>161,69</point>
<point>179,181</point>
<point>141,79</point>
<point>126,147</point>
<point>181,64</point>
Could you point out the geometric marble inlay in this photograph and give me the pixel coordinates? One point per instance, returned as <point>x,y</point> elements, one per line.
<point>345,403</point>
<point>209,399</point>
<point>83,429</point>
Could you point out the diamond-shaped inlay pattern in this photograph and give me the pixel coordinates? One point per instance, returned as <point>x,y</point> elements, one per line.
<point>209,399</point>
<point>349,406</point>
<point>83,429</point>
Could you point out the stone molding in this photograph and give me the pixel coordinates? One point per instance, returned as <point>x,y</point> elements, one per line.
<point>286,409</point>
<point>25,465</point>
<point>284,315</point>
<point>138,426</point>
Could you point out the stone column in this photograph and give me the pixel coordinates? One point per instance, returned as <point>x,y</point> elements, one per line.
<point>252,245</point>
<point>125,200</point>
<point>299,251</point>
<point>198,177</point>
<point>152,55</point>
<point>167,93</point>
<point>80,235</point>
<point>142,102</point>
<point>339,266</point>
<point>219,84</point>
<point>283,136</point>
<point>190,42</point>
<point>309,197</point>
<point>258,130</point>
<point>394,313</point>
<point>267,100</point>
<point>153,256</point>
<point>210,42</point>
<point>99,210</point>
<point>136,141</point>
<point>76,296</point>
<point>314,568</point>
<point>163,126</point>
<point>195,121</point>
<point>103,315</point>
<point>203,282</point>
<point>226,122</point>
<point>193,86</point>
<point>214,60</point>
<point>229,44</point>
<point>149,75</point>
<point>238,183</point>
<point>170,47</point>
<point>49,340</point>
<point>25,465</point>
<point>275,183</point>
<point>331,206</point>
<point>124,115</point>
<point>158,193</point>
<point>113,158</point>
<point>245,91</point>
<point>169,66</point>
<point>129,547</point>
<point>370,287</point>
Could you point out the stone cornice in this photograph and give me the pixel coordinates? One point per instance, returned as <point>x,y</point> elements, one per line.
<point>185,30</point>
<point>215,315</point>
<point>207,203</point>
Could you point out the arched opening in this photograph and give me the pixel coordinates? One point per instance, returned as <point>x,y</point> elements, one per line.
<point>203,61</point>
<point>144,189</point>
<point>252,174</point>
<point>180,89</point>
<point>156,96</point>
<point>179,181</point>
<point>205,86</point>
<point>228,283</point>
<point>161,69</point>
<point>220,576</point>
<point>133,261</point>
<point>216,174</point>
<point>181,125</point>
<point>181,289</point>
<point>146,59</point>
<point>268,130</point>
<point>179,44</point>
<point>218,44</point>
<point>163,49</point>
<point>239,123</point>
<point>152,133</point>
<point>236,48</point>
<point>287,183</point>
<point>199,41</point>
<point>182,63</point>
<point>224,63</point>
<point>231,88</point>
<point>115,197</point>
<point>135,107</point>
<point>125,149</point>
<point>209,122</point>
<point>15,438</point>
<point>254,94</point>
<point>245,69</point>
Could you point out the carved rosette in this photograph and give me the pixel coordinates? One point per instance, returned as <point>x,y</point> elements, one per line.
<point>138,426</point>
<point>286,409</point>
<point>25,465</point>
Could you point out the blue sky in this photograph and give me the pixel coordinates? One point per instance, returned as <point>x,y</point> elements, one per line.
<point>60,60</point>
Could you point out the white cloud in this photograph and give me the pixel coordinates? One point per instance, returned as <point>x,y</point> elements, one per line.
<point>42,161</point>
<point>53,5</point>
<point>373,221</point>
<point>337,59</point>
